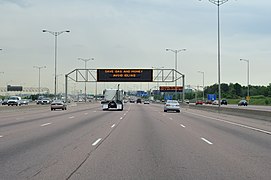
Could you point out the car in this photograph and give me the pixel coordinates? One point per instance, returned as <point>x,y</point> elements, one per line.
<point>208,102</point>
<point>215,102</point>
<point>5,102</point>
<point>186,101</point>
<point>224,102</point>
<point>199,102</point>
<point>46,101</point>
<point>146,102</point>
<point>58,104</point>
<point>242,103</point>
<point>172,105</point>
<point>24,102</point>
<point>138,101</point>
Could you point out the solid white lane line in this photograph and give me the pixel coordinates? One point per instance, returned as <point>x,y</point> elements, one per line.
<point>206,141</point>
<point>113,125</point>
<point>236,124</point>
<point>182,125</point>
<point>46,124</point>
<point>71,117</point>
<point>96,142</point>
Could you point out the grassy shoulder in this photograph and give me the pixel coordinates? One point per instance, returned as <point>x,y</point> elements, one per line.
<point>254,100</point>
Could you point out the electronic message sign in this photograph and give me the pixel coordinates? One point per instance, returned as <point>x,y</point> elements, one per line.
<point>171,88</point>
<point>14,88</point>
<point>124,75</point>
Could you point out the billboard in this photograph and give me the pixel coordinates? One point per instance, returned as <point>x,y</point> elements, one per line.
<point>124,75</point>
<point>171,88</point>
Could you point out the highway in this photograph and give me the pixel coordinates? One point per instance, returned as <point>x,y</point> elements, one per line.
<point>140,142</point>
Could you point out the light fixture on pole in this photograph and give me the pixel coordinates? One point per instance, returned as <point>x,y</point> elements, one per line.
<point>218,3</point>
<point>202,84</point>
<point>246,60</point>
<point>56,34</point>
<point>39,68</point>
<point>176,69</point>
<point>86,60</point>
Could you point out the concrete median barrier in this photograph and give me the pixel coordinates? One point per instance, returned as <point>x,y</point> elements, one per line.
<point>250,113</point>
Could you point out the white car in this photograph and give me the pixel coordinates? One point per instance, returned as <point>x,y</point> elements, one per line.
<point>58,104</point>
<point>172,105</point>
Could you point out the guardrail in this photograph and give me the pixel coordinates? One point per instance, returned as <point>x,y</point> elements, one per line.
<point>256,114</point>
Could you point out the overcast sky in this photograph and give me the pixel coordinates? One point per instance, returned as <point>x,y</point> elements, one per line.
<point>135,34</point>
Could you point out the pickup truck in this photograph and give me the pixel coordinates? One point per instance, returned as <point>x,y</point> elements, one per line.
<point>14,100</point>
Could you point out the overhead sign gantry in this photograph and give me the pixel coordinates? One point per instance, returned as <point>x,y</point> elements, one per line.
<point>126,75</point>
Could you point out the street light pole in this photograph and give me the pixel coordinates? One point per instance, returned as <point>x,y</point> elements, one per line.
<point>246,60</point>
<point>39,67</point>
<point>55,34</point>
<point>176,69</point>
<point>218,3</point>
<point>202,84</point>
<point>86,60</point>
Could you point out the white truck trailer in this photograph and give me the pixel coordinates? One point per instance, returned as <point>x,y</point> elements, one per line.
<point>113,99</point>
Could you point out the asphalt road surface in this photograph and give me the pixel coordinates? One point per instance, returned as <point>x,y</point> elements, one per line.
<point>140,142</point>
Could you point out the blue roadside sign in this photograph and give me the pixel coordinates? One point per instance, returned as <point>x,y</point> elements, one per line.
<point>211,97</point>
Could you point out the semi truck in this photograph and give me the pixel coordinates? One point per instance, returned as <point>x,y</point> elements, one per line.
<point>113,99</point>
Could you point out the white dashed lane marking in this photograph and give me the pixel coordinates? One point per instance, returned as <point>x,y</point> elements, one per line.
<point>96,142</point>
<point>71,117</point>
<point>113,125</point>
<point>46,124</point>
<point>182,125</point>
<point>205,140</point>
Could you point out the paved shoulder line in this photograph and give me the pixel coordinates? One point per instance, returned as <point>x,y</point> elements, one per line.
<point>233,123</point>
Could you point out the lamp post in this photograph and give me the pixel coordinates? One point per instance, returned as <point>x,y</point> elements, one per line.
<point>218,3</point>
<point>202,84</point>
<point>56,34</point>
<point>58,75</point>
<point>176,69</point>
<point>39,68</point>
<point>246,60</point>
<point>86,60</point>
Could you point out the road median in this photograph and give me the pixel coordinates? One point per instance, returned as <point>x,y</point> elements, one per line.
<point>255,114</point>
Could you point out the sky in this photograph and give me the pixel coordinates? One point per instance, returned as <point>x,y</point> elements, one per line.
<point>134,34</point>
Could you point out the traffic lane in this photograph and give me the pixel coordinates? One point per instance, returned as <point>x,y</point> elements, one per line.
<point>148,145</point>
<point>255,123</point>
<point>246,146</point>
<point>29,116</point>
<point>23,124</point>
<point>57,149</point>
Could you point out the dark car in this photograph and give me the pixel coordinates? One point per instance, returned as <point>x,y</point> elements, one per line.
<point>224,101</point>
<point>242,103</point>
<point>5,102</point>
<point>138,101</point>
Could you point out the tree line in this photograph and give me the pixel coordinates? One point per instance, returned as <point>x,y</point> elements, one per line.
<point>235,91</point>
